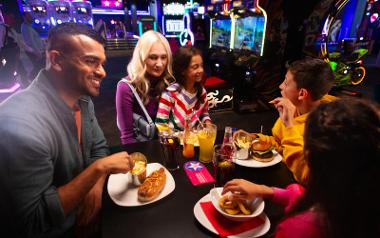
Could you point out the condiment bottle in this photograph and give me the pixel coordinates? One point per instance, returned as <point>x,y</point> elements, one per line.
<point>188,142</point>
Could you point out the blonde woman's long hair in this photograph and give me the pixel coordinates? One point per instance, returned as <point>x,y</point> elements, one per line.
<point>137,68</point>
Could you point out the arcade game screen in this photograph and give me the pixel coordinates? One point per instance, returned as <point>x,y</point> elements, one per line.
<point>221,33</point>
<point>249,33</point>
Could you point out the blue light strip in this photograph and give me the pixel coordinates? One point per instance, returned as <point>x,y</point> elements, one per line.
<point>103,11</point>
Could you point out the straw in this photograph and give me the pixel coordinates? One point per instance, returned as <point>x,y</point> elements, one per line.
<point>261,129</point>
<point>196,117</point>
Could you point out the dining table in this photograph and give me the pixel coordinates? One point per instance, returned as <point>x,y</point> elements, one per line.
<point>173,216</point>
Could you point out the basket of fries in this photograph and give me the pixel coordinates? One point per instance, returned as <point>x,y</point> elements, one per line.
<point>239,210</point>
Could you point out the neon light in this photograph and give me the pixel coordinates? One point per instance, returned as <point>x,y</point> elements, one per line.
<point>101,11</point>
<point>174,9</point>
<point>186,31</point>
<point>11,89</point>
<point>233,23</point>
<point>374,17</point>
<point>140,28</point>
<point>265,26</point>
<point>210,45</point>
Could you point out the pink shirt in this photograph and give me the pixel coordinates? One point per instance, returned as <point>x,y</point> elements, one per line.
<point>304,224</point>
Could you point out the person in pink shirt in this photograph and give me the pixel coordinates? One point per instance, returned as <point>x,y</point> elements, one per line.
<point>342,148</point>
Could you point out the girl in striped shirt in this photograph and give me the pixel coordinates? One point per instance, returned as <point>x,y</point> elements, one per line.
<point>185,99</point>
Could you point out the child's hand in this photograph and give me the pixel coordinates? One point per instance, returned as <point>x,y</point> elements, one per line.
<point>286,109</point>
<point>244,190</point>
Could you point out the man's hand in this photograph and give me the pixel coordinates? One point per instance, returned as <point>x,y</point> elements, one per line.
<point>116,163</point>
<point>286,109</point>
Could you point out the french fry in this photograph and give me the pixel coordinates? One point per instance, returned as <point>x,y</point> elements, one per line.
<point>224,203</point>
<point>243,209</point>
<point>233,207</point>
<point>232,211</point>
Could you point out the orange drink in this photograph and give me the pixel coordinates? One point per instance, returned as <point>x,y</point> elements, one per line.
<point>206,139</point>
<point>188,150</point>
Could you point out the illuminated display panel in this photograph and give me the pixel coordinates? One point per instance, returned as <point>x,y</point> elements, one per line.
<point>249,33</point>
<point>221,33</point>
<point>174,26</point>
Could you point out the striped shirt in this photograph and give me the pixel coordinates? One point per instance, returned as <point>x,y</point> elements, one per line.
<point>176,104</point>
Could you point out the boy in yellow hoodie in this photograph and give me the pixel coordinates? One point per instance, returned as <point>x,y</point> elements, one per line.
<point>306,85</point>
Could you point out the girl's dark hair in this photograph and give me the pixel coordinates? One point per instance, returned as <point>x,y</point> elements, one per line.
<point>181,60</point>
<point>342,148</point>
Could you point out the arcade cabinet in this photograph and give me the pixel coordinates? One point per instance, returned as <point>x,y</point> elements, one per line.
<point>147,23</point>
<point>172,18</point>
<point>41,21</point>
<point>248,46</point>
<point>220,55</point>
<point>220,58</point>
<point>82,12</point>
<point>59,12</point>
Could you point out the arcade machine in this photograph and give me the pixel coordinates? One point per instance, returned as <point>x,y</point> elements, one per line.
<point>172,18</point>
<point>248,32</point>
<point>82,12</point>
<point>345,56</point>
<point>41,20</point>
<point>220,55</point>
<point>147,23</point>
<point>59,12</point>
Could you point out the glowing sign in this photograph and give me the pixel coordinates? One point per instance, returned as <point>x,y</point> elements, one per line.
<point>112,3</point>
<point>186,34</point>
<point>374,17</point>
<point>201,10</point>
<point>174,9</point>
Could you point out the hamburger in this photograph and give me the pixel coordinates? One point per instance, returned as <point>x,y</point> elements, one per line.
<point>262,151</point>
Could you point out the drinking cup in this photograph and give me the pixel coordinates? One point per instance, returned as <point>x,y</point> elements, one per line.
<point>138,173</point>
<point>189,140</point>
<point>224,167</point>
<point>170,147</point>
<point>206,138</point>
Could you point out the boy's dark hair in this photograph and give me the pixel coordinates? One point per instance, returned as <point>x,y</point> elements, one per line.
<point>314,75</point>
<point>58,35</point>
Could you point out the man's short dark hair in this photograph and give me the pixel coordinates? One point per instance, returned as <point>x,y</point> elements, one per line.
<point>314,75</point>
<point>58,34</point>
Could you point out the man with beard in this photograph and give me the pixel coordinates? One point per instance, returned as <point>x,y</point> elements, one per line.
<point>54,156</point>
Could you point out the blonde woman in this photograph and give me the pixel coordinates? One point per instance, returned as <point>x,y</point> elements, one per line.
<point>149,72</point>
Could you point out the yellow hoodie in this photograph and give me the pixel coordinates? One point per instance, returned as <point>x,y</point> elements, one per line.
<point>288,141</point>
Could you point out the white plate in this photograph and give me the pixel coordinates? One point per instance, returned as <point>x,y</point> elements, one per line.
<point>202,218</point>
<point>123,193</point>
<point>257,164</point>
